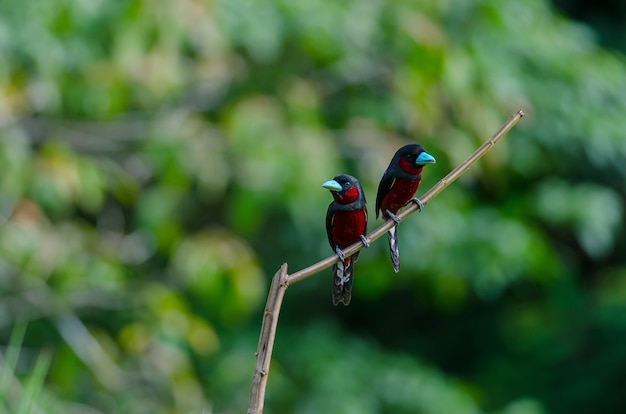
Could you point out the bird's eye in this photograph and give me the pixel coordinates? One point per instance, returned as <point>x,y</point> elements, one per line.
<point>347,184</point>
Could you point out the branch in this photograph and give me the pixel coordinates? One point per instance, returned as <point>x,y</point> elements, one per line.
<point>282,280</point>
<point>266,340</point>
<point>412,207</point>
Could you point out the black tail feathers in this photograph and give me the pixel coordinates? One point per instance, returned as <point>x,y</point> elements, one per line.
<point>342,281</point>
<point>394,251</point>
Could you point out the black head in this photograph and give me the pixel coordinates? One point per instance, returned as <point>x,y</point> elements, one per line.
<point>415,154</point>
<point>345,189</point>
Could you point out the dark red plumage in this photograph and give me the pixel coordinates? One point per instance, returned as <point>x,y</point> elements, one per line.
<point>400,193</point>
<point>347,227</point>
<point>346,223</point>
<point>397,188</point>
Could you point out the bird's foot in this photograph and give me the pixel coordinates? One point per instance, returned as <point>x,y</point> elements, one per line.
<point>364,240</point>
<point>342,257</point>
<point>420,205</point>
<point>393,217</point>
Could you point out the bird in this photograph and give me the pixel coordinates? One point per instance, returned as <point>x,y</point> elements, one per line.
<point>397,188</point>
<point>346,224</point>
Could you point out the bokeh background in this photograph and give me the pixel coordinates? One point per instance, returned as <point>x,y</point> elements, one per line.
<point>159,161</point>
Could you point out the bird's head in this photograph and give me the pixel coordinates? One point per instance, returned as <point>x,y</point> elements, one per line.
<point>344,188</point>
<point>412,158</point>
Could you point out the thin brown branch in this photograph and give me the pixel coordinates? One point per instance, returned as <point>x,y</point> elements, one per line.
<point>412,207</point>
<point>282,280</point>
<point>266,340</point>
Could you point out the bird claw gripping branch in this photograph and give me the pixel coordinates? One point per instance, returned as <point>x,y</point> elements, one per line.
<point>364,240</point>
<point>339,252</point>
<point>420,205</point>
<point>393,217</point>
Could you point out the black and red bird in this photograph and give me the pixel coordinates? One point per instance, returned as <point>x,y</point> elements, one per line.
<point>346,224</point>
<point>397,188</point>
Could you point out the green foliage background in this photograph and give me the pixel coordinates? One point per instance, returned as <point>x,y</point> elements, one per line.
<point>161,160</point>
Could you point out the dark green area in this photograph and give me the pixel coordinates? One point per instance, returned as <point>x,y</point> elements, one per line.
<point>159,162</point>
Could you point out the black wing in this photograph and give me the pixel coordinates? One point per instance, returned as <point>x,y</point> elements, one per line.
<point>366,217</point>
<point>329,224</point>
<point>383,189</point>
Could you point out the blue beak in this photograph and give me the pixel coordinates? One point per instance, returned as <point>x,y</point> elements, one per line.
<point>425,158</point>
<point>332,185</point>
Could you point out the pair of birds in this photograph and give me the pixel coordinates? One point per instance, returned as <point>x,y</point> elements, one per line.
<point>346,218</point>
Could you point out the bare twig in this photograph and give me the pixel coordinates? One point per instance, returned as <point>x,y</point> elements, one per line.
<point>266,340</point>
<point>281,279</point>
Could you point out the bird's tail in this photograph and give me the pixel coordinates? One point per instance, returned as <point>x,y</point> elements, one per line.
<point>394,251</point>
<point>342,281</point>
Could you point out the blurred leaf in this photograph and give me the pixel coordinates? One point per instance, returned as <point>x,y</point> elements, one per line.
<point>222,271</point>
